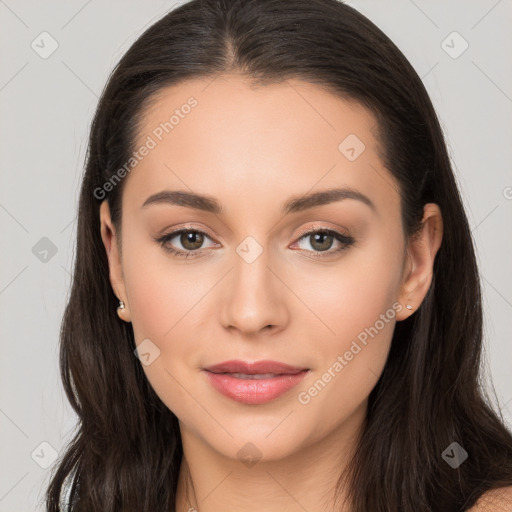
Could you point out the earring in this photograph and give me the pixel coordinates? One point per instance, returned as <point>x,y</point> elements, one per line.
<point>122,312</point>
<point>408,306</point>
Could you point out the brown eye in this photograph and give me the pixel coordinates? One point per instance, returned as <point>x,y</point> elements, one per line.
<point>186,243</point>
<point>321,240</point>
<point>191,240</point>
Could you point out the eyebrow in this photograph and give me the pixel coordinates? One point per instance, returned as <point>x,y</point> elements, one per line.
<point>292,205</point>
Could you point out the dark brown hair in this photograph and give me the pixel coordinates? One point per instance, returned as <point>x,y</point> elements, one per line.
<point>126,453</point>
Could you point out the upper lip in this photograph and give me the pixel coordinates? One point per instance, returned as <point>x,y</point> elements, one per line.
<point>254,368</point>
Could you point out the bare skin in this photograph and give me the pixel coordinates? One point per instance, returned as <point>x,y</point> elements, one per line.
<point>253,149</point>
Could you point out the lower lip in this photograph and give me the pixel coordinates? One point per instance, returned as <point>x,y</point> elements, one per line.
<point>254,391</point>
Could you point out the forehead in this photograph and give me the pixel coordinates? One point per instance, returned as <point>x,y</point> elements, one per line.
<point>227,137</point>
<point>230,105</point>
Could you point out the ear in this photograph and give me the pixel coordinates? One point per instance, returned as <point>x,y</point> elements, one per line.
<point>110,241</point>
<point>420,254</point>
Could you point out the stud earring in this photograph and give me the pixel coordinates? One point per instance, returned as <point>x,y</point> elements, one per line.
<point>408,306</point>
<point>123,312</point>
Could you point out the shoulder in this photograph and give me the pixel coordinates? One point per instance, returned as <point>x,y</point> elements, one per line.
<point>495,500</point>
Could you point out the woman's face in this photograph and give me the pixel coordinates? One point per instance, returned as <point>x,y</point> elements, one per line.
<point>255,286</point>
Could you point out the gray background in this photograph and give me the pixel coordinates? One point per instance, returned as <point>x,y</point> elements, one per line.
<point>46,106</point>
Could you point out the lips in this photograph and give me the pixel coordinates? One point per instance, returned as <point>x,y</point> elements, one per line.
<point>254,383</point>
<point>257,368</point>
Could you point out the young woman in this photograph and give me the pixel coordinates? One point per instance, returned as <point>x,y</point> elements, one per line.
<point>275,303</point>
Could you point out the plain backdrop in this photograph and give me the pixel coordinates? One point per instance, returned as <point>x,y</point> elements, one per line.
<point>461,49</point>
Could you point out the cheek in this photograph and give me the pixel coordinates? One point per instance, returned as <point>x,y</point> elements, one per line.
<point>160,290</point>
<point>357,292</point>
<point>162,305</point>
<point>358,304</point>
<point>167,304</point>
<point>151,303</point>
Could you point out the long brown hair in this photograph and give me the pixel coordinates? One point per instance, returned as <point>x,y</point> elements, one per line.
<point>126,453</point>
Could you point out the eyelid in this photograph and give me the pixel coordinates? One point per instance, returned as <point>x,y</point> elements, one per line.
<point>343,238</point>
<point>176,230</point>
<point>173,233</point>
<point>319,227</point>
<point>305,231</point>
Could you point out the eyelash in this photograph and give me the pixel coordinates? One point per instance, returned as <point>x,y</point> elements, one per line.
<point>345,240</point>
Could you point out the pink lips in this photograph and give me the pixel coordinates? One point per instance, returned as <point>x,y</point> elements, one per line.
<point>232,379</point>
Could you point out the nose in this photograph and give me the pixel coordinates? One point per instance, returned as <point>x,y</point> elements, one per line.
<point>254,298</point>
